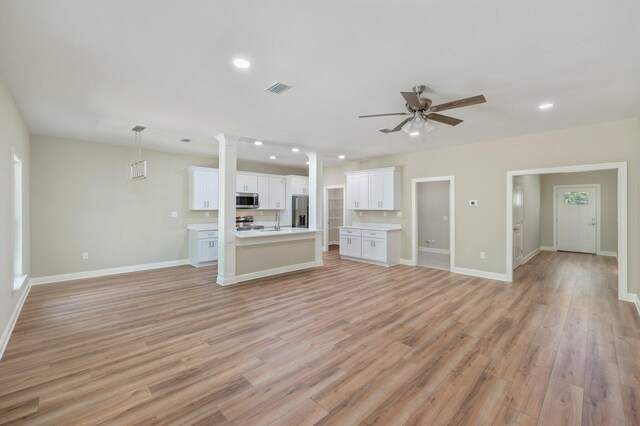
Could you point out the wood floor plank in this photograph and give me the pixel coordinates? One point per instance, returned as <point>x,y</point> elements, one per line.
<point>344,343</point>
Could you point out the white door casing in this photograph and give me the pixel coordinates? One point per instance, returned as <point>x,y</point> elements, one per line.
<point>518,204</point>
<point>576,217</point>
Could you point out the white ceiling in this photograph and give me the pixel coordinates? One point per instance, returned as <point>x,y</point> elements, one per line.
<point>91,70</point>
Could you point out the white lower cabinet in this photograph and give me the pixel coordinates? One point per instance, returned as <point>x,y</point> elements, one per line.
<point>373,246</point>
<point>374,249</point>
<point>350,246</point>
<point>203,247</point>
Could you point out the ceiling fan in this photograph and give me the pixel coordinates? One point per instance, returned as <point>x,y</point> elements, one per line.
<point>421,111</point>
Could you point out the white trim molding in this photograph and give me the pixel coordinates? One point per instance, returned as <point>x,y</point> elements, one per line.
<point>6,333</point>
<point>607,253</point>
<point>407,262</point>
<point>479,273</point>
<point>433,250</point>
<point>633,298</point>
<point>547,248</point>
<point>275,271</point>
<point>104,272</point>
<point>621,168</point>
<point>530,256</point>
<point>452,217</point>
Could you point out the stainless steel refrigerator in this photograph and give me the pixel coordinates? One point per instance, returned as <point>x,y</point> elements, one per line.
<point>300,211</point>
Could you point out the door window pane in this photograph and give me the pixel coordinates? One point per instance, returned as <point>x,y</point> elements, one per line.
<point>576,197</point>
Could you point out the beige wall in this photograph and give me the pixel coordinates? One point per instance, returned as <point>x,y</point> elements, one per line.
<point>480,172</point>
<point>608,180</point>
<point>13,136</point>
<point>433,205</point>
<point>83,201</point>
<point>530,213</point>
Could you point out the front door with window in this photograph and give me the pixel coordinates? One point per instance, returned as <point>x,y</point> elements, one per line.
<point>576,218</point>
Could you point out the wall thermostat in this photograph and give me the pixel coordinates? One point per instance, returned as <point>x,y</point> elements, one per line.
<point>473,203</point>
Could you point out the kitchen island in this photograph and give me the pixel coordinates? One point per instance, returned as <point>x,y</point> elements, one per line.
<point>266,252</point>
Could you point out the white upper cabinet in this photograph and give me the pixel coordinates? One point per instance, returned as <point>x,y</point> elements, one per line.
<point>276,193</point>
<point>271,192</point>
<point>299,186</point>
<point>203,188</point>
<point>358,191</point>
<point>246,183</point>
<point>378,189</point>
<point>263,192</point>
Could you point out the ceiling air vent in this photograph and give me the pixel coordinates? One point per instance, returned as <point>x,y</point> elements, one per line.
<point>277,88</point>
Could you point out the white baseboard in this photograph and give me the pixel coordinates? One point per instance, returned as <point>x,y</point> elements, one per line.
<point>530,255</point>
<point>276,271</point>
<point>479,273</point>
<point>547,248</point>
<point>407,262</point>
<point>607,253</point>
<point>105,272</point>
<point>633,298</point>
<point>6,333</point>
<point>434,250</point>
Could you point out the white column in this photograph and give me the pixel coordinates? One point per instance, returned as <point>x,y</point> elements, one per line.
<point>227,149</point>
<point>316,220</point>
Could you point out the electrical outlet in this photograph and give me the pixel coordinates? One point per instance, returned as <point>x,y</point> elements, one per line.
<point>384,214</point>
<point>360,214</point>
<point>174,214</point>
<point>206,214</point>
<point>261,213</point>
<point>399,214</point>
<point>473,203</point>
<point>85,255</point>
<point>483,255</point>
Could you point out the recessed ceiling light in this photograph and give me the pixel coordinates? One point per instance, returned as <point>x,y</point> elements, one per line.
<point>258,143</point>
<point>241,63</point>
<point>545,106</point>
<point>341,156</point>
<point>185,140</point>
<point>295,149</point>
<point>273,157</point>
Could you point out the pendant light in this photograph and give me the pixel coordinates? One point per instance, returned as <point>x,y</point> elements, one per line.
<point>138,168</point>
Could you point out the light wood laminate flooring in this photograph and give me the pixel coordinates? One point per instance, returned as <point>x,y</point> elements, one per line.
<point>346,343</point>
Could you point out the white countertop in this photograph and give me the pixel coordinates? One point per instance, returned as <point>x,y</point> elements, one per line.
<point>272,233</point>
<point>203,227</point>
<point>374,226</point>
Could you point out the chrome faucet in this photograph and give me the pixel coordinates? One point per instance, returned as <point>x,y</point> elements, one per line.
<point>277,227</point>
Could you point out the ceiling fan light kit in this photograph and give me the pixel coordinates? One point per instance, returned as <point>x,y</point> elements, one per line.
<point>422,111</point>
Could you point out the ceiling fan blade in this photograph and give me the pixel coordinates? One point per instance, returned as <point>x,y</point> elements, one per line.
<point>444,119</point>
<point>383,115</point>
<point>412,99</point>
<point>460,103</point>
<point>397,128</point>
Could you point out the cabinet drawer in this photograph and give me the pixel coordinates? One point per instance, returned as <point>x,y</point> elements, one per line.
<point>207,234</point>
<point>374,234</point>
<point>347,231</point>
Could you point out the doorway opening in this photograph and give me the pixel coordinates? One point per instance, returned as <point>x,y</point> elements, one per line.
<point>334,213</point>
<point>580,209</point>
<point>433,227</point>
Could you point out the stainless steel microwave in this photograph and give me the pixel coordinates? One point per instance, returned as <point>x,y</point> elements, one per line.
<point>246,200</point>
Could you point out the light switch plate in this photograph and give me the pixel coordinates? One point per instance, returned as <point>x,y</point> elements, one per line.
<point>174,214</point>
<point>85,255</point>
<point>399,214</point>
<point>384,214</point>
<point>206,214</point>
<point>483,255</point>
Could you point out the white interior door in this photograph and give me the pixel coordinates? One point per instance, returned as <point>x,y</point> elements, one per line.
<point>576,218</point>
<point>518,203</point>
